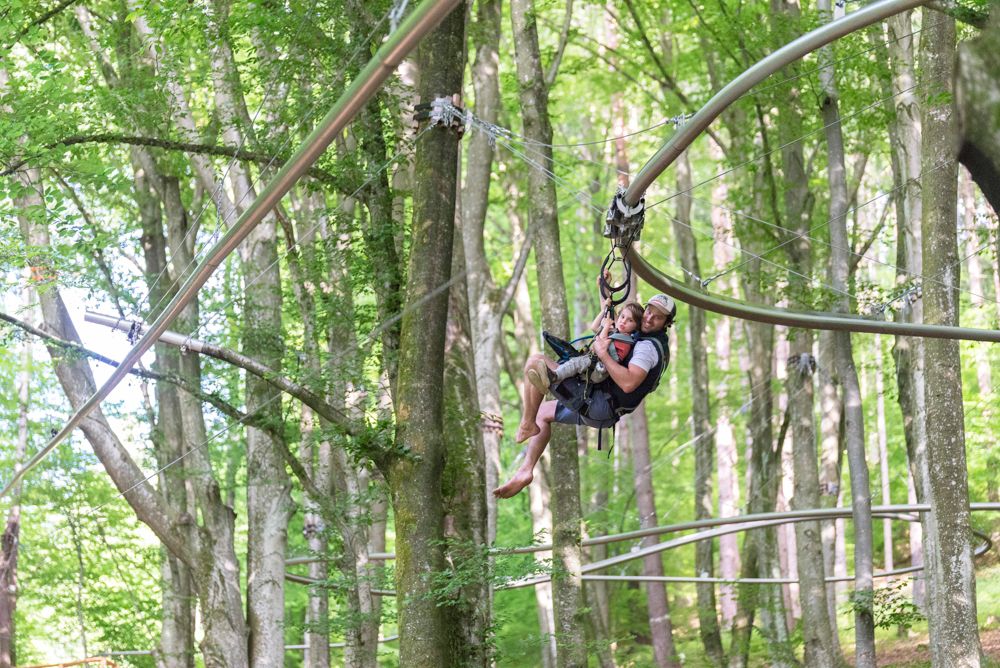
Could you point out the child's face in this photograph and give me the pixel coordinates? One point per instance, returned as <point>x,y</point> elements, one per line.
<point>625,323</point>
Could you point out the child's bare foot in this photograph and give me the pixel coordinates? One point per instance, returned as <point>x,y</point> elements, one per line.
<point>517,482</point>
<point>525,430</point>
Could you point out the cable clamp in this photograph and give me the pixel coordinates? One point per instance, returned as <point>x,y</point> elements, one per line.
<point>680,119</point>
<point>623,222</point>
<point>443,111</point>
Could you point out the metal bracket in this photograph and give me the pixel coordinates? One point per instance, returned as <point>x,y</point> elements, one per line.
<point>443,111</point>
<point>623,222</point>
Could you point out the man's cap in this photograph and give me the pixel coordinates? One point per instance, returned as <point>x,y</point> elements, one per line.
<point>664,305</point>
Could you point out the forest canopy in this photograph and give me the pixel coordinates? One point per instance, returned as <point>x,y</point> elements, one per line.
<point>355,222</point>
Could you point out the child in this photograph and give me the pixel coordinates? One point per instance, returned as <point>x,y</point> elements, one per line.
<point>626,325</point>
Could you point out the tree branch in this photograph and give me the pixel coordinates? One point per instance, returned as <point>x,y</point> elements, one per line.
<point>973,17</point>
<point>550,76</point>
<point>859,253</point>
<point>223,151</point>
<point>223,406</point>
<point>515,277</point>
<point>325,410</point>
<point>40,20</point>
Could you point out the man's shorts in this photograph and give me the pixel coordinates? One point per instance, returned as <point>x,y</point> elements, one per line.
<point>574,408</point>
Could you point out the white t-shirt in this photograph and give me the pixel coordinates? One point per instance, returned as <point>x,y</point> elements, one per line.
<point>644,356</point>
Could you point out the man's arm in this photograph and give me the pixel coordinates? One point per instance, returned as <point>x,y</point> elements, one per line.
<point>627,378</point>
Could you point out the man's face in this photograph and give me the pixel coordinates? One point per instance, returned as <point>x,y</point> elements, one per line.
<point>652,320</point>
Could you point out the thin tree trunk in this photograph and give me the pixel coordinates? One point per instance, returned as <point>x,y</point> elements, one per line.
<point>883,451</point>
<point>725,439</point>
<point>317,631</point>
<point>864,627</point>
<point>831,449</point>
<point>464,482</point>
<point>916,535</point>
<point>908,351</point>
<point>10,540</point>
<point>483,302</point>
<point>952,586</point>
<point>762,469</point>
<point>567,555</point>
<point>177,626</point>
<point>541,524</point>
<point>701,417</point>
<point>415,480</point>
<point>821,646</point>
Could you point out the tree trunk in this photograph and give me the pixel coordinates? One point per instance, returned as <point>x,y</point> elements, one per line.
<point>977,97</point>
<point>762,472</point>
<point>464,484</point>
<point>725,439</point>
<point>908,352</point>
<point>9,541</point>
<point>952,586</point>
<point>177,626</point>
<point>864,627</point>
<point>570,613</point>
<point>415,479</point>
<point>483,302</point>
<point>821,646</point>
<point>701,417</point>
<point>883,452</point>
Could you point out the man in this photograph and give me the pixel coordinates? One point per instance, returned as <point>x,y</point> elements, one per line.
<point>630,381</point>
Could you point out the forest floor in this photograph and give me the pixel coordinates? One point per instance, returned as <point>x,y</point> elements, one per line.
<point>915,652</point>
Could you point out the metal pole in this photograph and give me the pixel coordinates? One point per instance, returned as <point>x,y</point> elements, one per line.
<point>764,68</point>
<point>424,19</point>
<point>741,525</point>
<point>688,132</point>
<point>778,316</point>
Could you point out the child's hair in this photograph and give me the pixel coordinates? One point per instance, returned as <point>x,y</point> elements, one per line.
<point>634,310</point>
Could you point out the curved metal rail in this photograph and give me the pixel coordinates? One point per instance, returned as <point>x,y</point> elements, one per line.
<point>764,68</point>
<point>723,526</point>
<point>688,132</point>
<point>421,21</point>
<point>778,316</point>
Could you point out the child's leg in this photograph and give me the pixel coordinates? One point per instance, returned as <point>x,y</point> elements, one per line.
<point>574,366</point>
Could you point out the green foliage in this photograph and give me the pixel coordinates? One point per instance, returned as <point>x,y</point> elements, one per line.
<point>890,605</point>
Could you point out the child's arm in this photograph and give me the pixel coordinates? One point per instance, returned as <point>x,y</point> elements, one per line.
<point>598,323</point>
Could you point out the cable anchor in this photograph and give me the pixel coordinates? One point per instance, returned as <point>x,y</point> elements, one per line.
<point>443,111</point>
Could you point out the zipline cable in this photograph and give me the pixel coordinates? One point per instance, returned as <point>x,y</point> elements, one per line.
<point>423,19</point>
